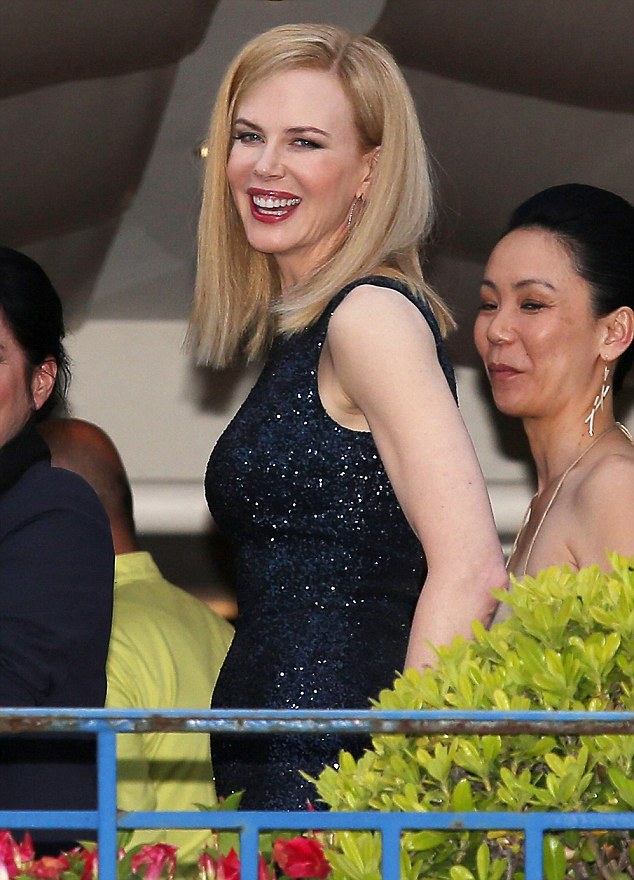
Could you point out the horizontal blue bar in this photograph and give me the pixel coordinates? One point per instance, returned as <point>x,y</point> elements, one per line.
<point>321,820</point>
<point>374,820</point>
<point>49,818</point>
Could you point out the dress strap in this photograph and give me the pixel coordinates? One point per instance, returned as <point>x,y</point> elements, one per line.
<point>553,497</point>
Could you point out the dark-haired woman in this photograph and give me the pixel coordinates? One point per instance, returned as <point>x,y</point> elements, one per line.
<point>555,331</point>
<point>56,561</point>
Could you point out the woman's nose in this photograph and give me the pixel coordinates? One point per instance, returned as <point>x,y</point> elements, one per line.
<point>500,327</point>
<point>268,164</point>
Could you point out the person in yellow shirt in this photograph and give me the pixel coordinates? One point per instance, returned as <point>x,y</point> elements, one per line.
<point>166,650</point>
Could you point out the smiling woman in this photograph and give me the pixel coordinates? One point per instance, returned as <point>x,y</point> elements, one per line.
<point>56,561</point>
<point>555,331</point>
<point>348,472</point>
<point>322,164</point>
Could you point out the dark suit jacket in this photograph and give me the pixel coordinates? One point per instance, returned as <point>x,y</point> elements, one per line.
<point>56,586</point>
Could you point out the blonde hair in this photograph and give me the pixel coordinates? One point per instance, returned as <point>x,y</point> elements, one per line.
<point>237,297</point>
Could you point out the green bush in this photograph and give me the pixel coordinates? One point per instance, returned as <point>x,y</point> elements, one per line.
<point>569,644</point>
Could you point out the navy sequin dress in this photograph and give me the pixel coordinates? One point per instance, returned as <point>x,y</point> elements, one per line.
<point>328,571</point>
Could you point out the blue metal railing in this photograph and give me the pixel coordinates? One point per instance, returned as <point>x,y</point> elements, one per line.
<point>107,723</point>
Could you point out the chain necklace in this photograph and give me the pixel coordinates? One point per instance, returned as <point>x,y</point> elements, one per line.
<point>551,501</point>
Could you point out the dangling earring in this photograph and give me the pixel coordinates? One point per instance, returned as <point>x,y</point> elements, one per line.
<point>358,201</point>
<point>598,401</point>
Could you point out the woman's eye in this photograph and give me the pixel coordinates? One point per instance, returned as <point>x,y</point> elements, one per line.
<point>308,144</point>
<point>487,307</point>
<point>246,137</point>
<point>532,306</point>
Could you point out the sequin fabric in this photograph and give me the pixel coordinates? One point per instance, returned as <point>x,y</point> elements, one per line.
<point>328,571</point>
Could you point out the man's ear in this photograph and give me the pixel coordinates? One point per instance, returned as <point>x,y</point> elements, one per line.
<point>43,382</point>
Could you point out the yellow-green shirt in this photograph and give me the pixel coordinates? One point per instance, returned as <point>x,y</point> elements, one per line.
<point>166,650</point>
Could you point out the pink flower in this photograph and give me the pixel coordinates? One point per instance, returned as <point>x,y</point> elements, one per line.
<point>227,867</point>
<point>156,856</point>
<point>14,856</point>
<point>301,857</point>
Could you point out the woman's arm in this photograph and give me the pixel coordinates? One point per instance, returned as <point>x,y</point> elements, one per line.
<point>380,369</point>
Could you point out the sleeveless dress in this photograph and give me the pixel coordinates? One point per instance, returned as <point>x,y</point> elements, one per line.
<point>328,571</point>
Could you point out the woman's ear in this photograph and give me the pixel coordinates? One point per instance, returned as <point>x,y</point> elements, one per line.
<point>619,332</point>
<point>371,158</point>
<point>43,382</point>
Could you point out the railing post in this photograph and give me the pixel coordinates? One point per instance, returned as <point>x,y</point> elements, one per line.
<point>390,852</point>
<point>249,841</point>
<point>533,850</point>
<point>107,804</point>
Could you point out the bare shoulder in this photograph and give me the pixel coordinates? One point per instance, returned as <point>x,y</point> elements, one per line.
<point>618,463</point>
<point>375,299</point>
<point>370,311</point>
<point>602,509</point>
<point>609,481</point>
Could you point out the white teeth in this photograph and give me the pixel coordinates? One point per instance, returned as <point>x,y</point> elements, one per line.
<point>271,203</point>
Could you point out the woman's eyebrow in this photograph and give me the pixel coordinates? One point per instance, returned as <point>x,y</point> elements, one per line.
<point>527,282</point>
<point>295,129</point>
<point>518,285</point>
<point>303,129</point>
<point>242,121</point>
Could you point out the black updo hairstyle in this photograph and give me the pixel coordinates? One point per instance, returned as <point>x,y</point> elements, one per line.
<point>33,312</point>
<point>597,229</point>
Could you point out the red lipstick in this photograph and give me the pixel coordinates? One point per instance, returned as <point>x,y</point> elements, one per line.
<point>272,206</point>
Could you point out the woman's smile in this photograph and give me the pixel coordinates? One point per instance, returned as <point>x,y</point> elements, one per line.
<point>269,206</point>
<point>295,168</point>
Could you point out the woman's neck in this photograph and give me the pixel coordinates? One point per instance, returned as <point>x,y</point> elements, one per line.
<point>556,443</point>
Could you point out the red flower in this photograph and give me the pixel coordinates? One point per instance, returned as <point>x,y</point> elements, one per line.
<point>88,857</point>
<point>227,867</point>
<point>156,856</point>
<point>301,857</point>
<point>206,867</point>
<point>49,867</point>
<point>14,856</point>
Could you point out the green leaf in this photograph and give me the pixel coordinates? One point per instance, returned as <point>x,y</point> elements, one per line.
<point>423,841</point>
<point>123,838</point>
<point>462,797</point>
<point>459,872</point>
<point>623,785</point>
<point>483,861</point>
<point>554,858</point>
<point>231,802</point>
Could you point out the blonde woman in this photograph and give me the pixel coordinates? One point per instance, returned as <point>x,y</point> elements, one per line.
<point>347,478</point>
